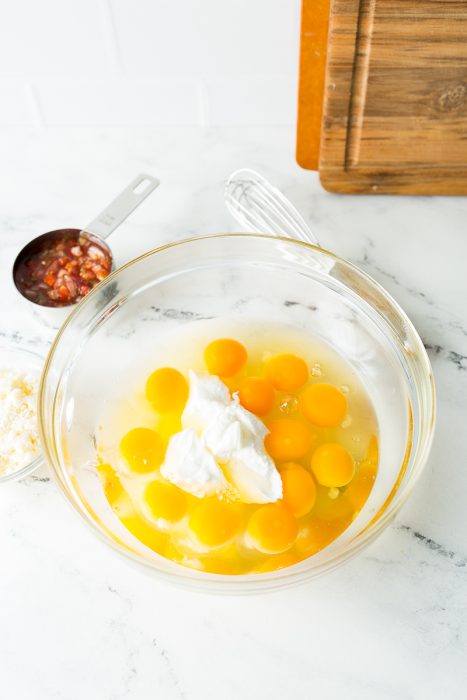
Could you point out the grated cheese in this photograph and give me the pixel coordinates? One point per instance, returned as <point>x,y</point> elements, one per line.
<point>19,439</point>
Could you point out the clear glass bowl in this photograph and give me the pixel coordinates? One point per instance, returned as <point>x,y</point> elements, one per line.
<point>22,360</point>
<point>251,278</point>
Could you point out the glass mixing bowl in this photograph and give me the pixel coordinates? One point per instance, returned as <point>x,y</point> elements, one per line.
<point>245,277</point>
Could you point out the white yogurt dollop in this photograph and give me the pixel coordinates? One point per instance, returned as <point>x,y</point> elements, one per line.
<point>190,466</point>
<point>207,399</point>
<point>221,443</point>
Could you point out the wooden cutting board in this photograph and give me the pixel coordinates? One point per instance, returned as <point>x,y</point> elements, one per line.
<point>395,105</point>
<point>313,44</point>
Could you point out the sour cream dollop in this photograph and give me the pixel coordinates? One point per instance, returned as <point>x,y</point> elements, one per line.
<point>221,444</point>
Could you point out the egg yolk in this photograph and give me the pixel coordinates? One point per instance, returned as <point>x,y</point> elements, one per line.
<point>332,508</point>
<point>280,561</point>
<point>358,492</point>
<point>165,501</point>
<point>288,439</point>
<point>286,372</point>
<point>323,405</point>
<point>332,465</point>
<point>213,522</point>
<point>372,454</point>
<point>317,534</point>
<point>256,395</point>
<point>143,449</point>
<point>144,532</point>
<point>272,528</point>
<point>360,488</point>
<point>168,425</point>
<point>225,357</point>
<point>225,565</point>
<point>167,390</point>
<point>298,489</point>
<point>113,488</point>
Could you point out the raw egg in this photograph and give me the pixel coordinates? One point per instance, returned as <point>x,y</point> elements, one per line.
<point>214,522</point>
<point>167,390</point>
<point>327,471</point>
<point>298,489</point>
<point>332,465</point>
<point>256,395</point>
<point>165,501</point>
<point>286,372</point>
<point>280,561</point>
<point>225,357</point>
<point>272,528</point>
<point>323,405</point>
<point>113,488</point>
<point>288,439</point>
<point>144,532</point>
<point>143,449</point>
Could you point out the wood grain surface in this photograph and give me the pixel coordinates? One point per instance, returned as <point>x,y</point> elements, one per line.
<point>313,42</point>
<point>395,104</point>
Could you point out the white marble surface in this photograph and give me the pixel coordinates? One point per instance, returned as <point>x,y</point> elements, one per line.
<point>75,621</point>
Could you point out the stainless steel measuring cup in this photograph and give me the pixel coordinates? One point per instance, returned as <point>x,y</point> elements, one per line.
<point>97,231</point>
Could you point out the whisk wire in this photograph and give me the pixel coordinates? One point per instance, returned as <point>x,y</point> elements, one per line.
<point>262,208</point>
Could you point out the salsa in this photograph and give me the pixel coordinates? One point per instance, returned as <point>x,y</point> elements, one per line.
<point>62,269</point>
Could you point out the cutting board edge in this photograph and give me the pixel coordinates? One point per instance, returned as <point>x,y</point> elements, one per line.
<point>393,185</point>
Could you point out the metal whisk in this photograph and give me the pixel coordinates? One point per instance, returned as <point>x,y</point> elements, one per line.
<point>262,208</point>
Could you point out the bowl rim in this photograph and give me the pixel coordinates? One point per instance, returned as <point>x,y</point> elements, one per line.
<point>289,576</point>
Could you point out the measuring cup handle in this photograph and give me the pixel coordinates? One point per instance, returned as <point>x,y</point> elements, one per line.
<point>118,210</point>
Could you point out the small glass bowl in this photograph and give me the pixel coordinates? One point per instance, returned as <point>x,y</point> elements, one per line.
<point>24,360</point>
<point>248,278</point>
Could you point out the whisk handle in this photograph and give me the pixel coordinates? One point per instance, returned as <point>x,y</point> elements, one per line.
<point>262,208</point>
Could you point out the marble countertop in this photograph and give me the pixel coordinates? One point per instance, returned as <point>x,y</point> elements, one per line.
<point>78,622</point>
